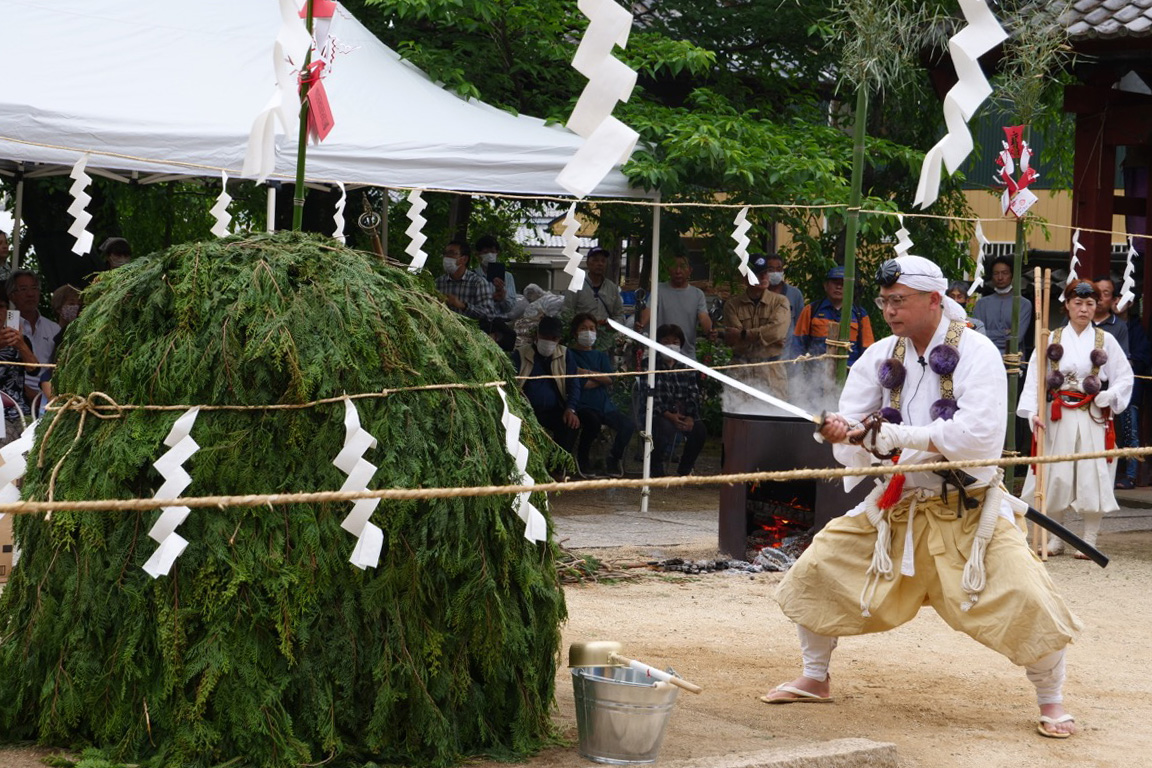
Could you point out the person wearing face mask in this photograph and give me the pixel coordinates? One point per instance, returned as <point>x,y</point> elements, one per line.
<point>116,252</point>
<point>756,327</point>
<point>596,408</point>
<point>995,309</point>
<point>462,289</point>
<point>510,306</point>
<point>550,382</point>
<point>66,306</point>
<point>777,285</point>
<point>676,407</point>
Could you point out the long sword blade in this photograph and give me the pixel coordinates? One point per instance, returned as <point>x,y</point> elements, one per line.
<point>731,382</point>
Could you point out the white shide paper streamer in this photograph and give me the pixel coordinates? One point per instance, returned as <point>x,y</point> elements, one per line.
<point>415,231</point>
<point>338,215</point>
<point>15,463</point>
<point>535,526</point>
<point>571,226</point>
<point>220,209</point>
<point>607,141</point>
<point>740,235</point>
<point>1127,295</point>
<point>176,479</point>
<point>80,200</point>
<point>903,239</point>
<point>978,278</point>
<point>288,52</point>
<point>1076,248</point>
<point>351,461</point>
<point>982,34</point>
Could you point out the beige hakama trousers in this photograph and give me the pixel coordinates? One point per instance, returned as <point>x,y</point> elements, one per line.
<point>1019,614</point>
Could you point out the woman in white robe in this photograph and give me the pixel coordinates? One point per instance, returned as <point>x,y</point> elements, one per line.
<point>1085,486</point>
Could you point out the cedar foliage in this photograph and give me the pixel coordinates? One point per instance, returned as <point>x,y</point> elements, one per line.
<point>265,644</point>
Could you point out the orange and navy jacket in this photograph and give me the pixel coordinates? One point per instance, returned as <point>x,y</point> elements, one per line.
<point>820,319</point>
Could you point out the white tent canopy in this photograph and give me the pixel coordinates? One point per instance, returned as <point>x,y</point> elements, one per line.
<point>158,87</point>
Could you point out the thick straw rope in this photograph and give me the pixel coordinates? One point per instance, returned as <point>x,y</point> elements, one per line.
<point>409,494</point>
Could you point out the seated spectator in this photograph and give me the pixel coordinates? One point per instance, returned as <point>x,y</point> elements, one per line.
<point>676,407</point>
<point>488,252</point>
<point>540,303</point>
<point>463,290</point>
<point>66,305</point>
<point>958,292</point>
<point>596,408</point>
<point>14,347</point>
<point>554,398</point>
<point>23,289</point>
<point>116,252</point>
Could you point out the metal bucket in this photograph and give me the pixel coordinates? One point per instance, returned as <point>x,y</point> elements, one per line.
<point>620,715</point>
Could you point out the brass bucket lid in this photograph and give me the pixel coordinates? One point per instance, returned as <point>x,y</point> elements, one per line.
<point>593,654</point>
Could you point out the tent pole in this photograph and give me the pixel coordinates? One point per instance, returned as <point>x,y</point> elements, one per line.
<point>271,209</point>
<point>650,399</point>
<point>302,149</point>
<point>384,224</point>
<point>17,216</point>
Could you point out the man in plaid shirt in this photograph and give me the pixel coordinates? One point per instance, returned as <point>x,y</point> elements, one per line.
<point>676,407</point>
<point>465,291</point>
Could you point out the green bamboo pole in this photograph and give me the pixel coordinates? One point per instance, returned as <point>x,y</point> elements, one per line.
<point>860,120</point>
<point>302,149</point>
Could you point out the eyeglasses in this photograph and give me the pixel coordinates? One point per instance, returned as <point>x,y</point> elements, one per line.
<point>890,273</point>
<point>895,300</point>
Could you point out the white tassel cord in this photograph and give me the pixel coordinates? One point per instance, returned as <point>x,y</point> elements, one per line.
<point>975,578</point>
<point>881,565</point>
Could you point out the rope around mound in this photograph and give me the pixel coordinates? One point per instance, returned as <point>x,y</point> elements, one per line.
<point>409,494</point>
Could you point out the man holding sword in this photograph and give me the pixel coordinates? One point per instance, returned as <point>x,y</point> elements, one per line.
<point>933,391</point>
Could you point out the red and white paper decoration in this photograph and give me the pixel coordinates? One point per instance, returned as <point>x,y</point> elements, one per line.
<point>219,211</point>
<point>80,200</point>
<point>740,235</point>
<point>535,526</point>
<point>1127,294</point>
<point>288,53</point>
<point>415,232</point>
<point>608,142</point>
<point>573,268</point>
<point>1017,198</point>
<point>982,34</point>
<point>176,479</point>
<point>1076,248</point>
<point>351,461</point>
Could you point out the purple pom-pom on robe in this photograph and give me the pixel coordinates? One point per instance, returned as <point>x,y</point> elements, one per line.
<point>891,373</point>
<point>891,415</point>
<point>943,359</point>
<point>1055,380</point>
<point>944,408</point>
<point>1099,358</point>
<point>1091,385</point>
<point>1055,352</point>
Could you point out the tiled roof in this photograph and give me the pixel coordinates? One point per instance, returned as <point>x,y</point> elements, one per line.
<point>1108,19</point>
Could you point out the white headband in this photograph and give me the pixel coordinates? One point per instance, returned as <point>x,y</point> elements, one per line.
<point>919,274</point>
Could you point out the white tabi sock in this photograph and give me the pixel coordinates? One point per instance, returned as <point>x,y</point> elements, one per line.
<point>816,650</point>
<point>1047,675</point>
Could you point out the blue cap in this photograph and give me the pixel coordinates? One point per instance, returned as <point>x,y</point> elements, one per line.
<point>836,273</point>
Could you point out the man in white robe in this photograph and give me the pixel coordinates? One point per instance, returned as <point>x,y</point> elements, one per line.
<point>875,567</point>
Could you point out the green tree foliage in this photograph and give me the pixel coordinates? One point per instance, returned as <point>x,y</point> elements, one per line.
<point>265,644</point>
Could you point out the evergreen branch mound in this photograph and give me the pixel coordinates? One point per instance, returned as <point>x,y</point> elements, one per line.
<point>265,646</point>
